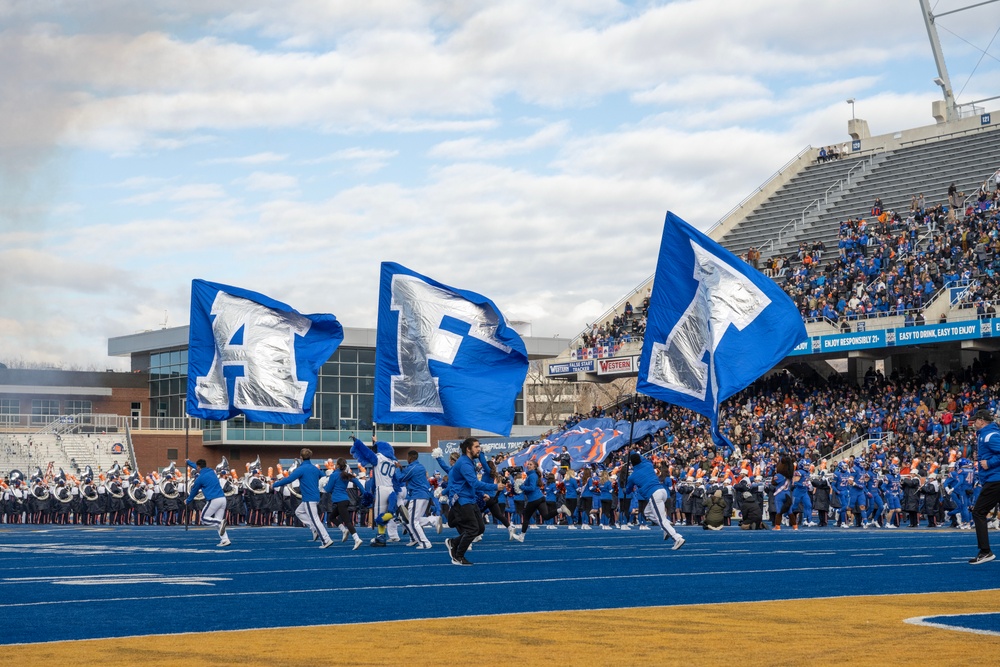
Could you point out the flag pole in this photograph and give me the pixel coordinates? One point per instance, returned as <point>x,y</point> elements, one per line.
<point>631,425</point>
<point>187,436</point>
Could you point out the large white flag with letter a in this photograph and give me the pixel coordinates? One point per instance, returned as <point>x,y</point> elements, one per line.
<point>249,354</point>
<point>715,324</point>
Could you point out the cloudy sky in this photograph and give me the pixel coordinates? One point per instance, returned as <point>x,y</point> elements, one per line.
<point>525,150</point>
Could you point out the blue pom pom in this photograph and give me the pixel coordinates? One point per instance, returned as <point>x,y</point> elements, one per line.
<point>367,500</point>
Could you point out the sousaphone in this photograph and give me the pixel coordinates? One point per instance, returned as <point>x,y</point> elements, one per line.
<point>39,489</point>
<point>167,485</point>
<point>89,489</point>
<point>137,490</point>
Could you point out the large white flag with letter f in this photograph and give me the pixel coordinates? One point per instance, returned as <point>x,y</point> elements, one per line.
<point>714,325</point>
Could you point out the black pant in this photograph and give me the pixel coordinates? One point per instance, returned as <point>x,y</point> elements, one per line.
<point>586,504</point>
<point>494,507</point>
<point>343,511</point>
<point>542,509</point>
<point>988,498</point>
<point>468,520</point>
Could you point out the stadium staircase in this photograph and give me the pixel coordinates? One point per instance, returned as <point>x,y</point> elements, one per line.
<point>68,443</point>
<point>787,215</point>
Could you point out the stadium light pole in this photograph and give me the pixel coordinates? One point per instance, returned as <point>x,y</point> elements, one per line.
<point>851,102</point>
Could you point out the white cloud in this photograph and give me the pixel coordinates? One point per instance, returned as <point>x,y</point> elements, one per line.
<point>482,149</point>
<point>262,181</point>
<point>525,150</point>
<point>178,193</point>
<point>265,157</point>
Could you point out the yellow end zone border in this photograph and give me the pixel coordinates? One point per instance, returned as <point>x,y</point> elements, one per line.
<point>855,630</point>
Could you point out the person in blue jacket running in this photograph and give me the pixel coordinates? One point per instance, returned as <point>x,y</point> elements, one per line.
<point>988,456</point>
<point>647,484</point>
<point>535,500</point>
<point>466,489</point>
<point>307,511</point>
<point>214,511</point>
<point>337,485</point>
<point>418,496</point>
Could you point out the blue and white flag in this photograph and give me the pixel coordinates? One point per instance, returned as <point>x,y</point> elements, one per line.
<point>714,325</point>
<point>249,354</point>
<point>444,356</point>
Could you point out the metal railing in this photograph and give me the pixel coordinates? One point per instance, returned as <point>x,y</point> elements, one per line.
<point>842,183</point>
<point>949,135</point>
<point>760,189</point>
<point>611,312</point>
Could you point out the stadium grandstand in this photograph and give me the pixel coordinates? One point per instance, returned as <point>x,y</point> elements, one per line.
<point>915,199</point>
<point>890,247</point>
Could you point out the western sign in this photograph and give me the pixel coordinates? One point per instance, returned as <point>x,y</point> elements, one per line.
<point>616,366</point>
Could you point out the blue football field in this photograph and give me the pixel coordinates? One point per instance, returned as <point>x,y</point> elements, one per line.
<point>69,583</point>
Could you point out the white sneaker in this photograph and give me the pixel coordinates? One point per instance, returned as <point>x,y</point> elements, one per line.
<point>501,526</point>
<point>625,526</point>
<point>550,527</point>
<point>572,526</point>
<point>478,538</point>
<point>224,543</point>
<point>328,543</point>
<point>564,510</point>
<point>412,543</point>
<point>357,542</point>
<point>394,539</point>
<point>314,539</point>
<point>678,543</point>
<point>343,534</point>
<point>585,526</point>
<point>438,525</point>
<point>605,527</point>
<point>511,532</point>
<point>424,546</point>
<point>643,527</point>
<point>519,537</point>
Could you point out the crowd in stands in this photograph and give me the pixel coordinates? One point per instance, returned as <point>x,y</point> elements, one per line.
<point>886,263</point>
<point>893,263</point>
<point>922,415</point>
<point>624,327</point>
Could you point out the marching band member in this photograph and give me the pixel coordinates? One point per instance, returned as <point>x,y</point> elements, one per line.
<point>214,511</point>
<point>15,497</point>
